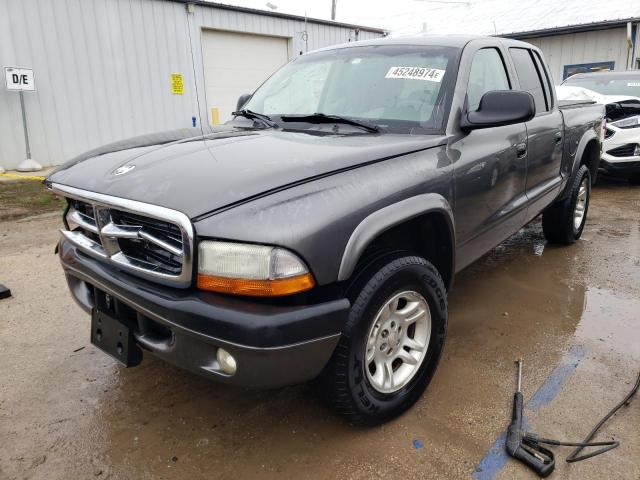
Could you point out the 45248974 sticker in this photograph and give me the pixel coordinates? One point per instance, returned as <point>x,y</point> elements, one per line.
<point>416,73</point>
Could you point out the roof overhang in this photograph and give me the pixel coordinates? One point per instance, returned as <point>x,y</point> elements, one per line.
<point>585,27</point>
<point>268,13</point>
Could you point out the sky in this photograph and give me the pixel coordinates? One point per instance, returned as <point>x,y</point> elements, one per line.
<point>482,17</point>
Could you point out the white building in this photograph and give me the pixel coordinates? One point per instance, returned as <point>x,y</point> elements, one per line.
<point>111,69</point>
<point>574,35</point>
<point>591,47</point>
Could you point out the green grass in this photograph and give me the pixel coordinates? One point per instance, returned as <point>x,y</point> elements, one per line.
<point>23,198</point>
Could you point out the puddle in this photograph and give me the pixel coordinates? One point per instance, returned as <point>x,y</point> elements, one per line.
<point>611,320</point>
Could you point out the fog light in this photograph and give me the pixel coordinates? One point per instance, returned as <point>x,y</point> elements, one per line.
<point>636,151</point>
<point>226,361</point>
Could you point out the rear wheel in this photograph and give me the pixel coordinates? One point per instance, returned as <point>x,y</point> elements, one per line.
<point>564,221</point>
<point>391,343</point>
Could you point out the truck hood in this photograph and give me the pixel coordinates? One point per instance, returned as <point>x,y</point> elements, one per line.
<point>227,166</point>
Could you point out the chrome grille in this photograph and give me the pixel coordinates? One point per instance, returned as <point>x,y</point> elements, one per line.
<point>156,242</point>
<point>146,240</point>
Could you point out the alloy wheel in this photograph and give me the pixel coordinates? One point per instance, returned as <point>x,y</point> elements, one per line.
<point>581,204</point>
<point>397,341</point>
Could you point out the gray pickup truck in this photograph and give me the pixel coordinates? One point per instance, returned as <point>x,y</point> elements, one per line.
<point>316,235</point>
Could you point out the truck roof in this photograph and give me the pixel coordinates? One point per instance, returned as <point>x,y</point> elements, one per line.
<point>449,40</point>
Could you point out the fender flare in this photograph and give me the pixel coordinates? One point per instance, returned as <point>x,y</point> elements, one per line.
<point>587,137</point>
<point>388,217</point>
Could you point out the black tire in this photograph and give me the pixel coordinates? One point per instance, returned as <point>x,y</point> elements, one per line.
<point>343,382</point>
<point>558,219</point>
<point>634,179</point>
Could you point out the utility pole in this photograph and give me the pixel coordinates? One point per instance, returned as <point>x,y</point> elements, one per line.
<point>333,9</point>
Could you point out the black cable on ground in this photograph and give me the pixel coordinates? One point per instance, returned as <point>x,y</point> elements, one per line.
<point>608,445</point>
<point>574,456</point>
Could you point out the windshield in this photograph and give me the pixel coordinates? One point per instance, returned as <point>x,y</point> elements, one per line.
<point>399,88</point>
<point>608,84</point>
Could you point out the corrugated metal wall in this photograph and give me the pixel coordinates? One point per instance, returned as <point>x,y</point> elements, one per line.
<point>103,68</point>
<point>583,47</point>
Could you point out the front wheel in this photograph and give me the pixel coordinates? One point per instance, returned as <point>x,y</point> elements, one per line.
<point>391,343</point>
<point>564,221</point>
<point>634,179</point>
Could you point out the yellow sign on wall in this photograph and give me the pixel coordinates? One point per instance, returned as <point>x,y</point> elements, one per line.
<point>177,84</point>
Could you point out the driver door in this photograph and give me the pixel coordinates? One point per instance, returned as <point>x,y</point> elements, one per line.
<point>490,171</point>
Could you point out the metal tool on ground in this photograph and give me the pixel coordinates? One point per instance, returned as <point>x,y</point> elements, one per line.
<point>4,292</point>
<point>527,447</point>
<point>518,446</point>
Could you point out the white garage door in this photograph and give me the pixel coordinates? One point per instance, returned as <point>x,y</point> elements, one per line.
<point>237,63</point>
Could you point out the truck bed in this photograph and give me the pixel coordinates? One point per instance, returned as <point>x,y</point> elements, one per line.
<point>564,104</point>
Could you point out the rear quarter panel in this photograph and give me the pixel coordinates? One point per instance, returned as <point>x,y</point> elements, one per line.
<point>582,124</point>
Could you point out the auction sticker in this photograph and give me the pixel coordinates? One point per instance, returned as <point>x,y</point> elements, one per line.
<point>415,73</point>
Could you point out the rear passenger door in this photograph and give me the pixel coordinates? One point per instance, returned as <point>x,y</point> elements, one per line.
<point>544,131</point>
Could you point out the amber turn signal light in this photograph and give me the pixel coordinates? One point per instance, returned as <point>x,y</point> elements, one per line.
<point>257,288</point>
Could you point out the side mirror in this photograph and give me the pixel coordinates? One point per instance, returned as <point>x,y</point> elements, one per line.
<point>242,100</point>
<point>500,107</point>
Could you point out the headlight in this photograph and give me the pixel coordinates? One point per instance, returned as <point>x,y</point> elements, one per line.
<point>630,122</point>
<point>255,270</point>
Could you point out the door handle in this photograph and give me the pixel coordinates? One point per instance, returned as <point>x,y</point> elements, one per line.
<point>558,137</point>
<point>521,149</point>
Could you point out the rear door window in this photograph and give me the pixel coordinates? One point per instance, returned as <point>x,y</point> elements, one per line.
<point>546,80</point>
<point>529,77</point>
<point>487,73</point>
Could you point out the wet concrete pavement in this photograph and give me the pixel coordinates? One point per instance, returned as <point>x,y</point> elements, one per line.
<point>572,313</point>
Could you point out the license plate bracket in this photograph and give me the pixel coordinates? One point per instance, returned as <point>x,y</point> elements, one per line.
<point>114,338</point>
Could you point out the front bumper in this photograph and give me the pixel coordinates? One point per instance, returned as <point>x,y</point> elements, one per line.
<point>614,164</point>
<point>620,167</point>
<point>272,345</point>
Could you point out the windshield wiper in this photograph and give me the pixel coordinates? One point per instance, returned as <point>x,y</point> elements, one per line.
<point>256,116</point>
<point>324,118</point>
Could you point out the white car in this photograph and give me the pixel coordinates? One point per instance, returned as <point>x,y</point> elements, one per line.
<point>620,93</point>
